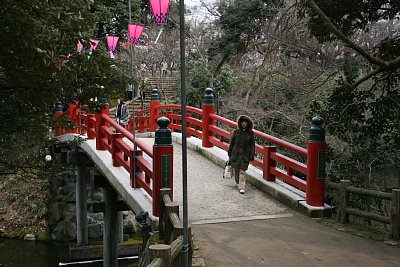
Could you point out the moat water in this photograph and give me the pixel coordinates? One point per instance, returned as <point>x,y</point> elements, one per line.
<point>19,253</point>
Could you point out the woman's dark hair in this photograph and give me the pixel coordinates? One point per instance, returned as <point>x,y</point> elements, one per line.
<point>121,101</point>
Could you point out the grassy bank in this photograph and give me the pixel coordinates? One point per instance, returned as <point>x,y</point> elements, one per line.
<point>23,205</point>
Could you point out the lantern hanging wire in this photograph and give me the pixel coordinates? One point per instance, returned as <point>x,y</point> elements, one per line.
<point>160,13</point>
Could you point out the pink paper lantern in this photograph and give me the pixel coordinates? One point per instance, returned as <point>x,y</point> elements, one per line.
<point>93,44</point>
<point>79,46</point>
<point>134,32</point>
<point>160,10</point>
<point>112,45</point>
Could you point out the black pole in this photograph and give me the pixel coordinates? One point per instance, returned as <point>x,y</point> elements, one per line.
<point>185,249</point>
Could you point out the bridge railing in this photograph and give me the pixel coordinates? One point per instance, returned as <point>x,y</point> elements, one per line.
<point>215,130</point>
<point>272,159</point>
<point>118,141</point>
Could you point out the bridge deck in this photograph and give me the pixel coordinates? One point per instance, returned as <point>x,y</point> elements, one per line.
<point>214,199</point>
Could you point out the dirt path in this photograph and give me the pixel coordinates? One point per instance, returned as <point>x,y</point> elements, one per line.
<point>291,241</point>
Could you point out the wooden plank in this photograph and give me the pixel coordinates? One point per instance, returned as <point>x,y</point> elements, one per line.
<point>368,192</point>
<point>368,215</point>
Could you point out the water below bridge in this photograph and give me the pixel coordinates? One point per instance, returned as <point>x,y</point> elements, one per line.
<point>19,253</point>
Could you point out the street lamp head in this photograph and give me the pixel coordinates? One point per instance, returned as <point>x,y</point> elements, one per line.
<point>217,84</point>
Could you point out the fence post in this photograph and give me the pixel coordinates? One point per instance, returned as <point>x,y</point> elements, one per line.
<point>268,163</point>
<point>316,158</point>
<point>169,227</point>
<point>162,162</point>
<point>58,115</point>
<point>154,103</point>
<point>342,216</point>
<point>116,152</point>
<point>163,217</point>
<point>395,215</point>
<point>161,251</point>
<point>100,123</point>
<point>208,108</point>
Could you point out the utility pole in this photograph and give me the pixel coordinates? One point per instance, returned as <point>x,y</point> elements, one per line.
<point>185,249</point>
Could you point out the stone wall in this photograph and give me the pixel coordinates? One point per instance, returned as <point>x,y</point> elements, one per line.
<point>63,211</point>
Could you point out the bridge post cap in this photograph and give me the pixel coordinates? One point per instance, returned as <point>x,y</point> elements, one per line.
<point>317,132</point>
<point>208,96</point>
<point>163,133</point>
<point>154,94</point>
<point>59,106</point>
<point>163,122</point>
<point>317,121</point>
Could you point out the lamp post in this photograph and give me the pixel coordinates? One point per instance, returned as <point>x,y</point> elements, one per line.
<point>185,247</point>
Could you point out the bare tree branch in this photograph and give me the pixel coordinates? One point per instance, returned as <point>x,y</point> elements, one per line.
<point>212,12</point>
<point>374,60</point>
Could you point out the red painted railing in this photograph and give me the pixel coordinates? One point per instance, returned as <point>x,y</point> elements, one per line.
<point>269,159</point>
<point>118,141</point>
<point>213,130</point>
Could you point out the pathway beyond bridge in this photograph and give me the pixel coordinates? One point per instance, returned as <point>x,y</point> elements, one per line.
<point>255,230</point>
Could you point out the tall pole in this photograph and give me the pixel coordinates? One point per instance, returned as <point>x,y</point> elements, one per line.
<point>185,249</point>
<point>133,102</point>
<point>131,48</point>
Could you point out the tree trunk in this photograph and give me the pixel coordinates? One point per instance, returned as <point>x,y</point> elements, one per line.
<point>221,63</point>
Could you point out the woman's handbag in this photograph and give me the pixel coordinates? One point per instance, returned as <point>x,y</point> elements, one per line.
<point>228,172</point>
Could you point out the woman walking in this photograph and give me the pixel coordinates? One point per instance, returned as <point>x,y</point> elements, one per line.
<point>242,150</point>
<point>122,113</point>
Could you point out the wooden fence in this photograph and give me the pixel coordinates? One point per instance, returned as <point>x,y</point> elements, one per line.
<point>344,210</point>
<point>169,254</point>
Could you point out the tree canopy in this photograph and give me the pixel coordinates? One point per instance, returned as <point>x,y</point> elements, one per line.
<point>35,72</point>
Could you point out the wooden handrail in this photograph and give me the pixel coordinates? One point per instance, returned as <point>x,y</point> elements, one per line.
<point>344,210</point>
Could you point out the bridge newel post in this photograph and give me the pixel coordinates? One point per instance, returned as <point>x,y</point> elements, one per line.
<point>58,115</point>
<point>71,115</point>
<point>100,123</point>
<point>208,108</point>
<point>162,162</point>
<point>154,103</point>
<point>316,159</point>
<point>268,163</point>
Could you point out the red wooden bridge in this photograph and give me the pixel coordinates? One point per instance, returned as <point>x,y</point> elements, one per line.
<point>301,168</point>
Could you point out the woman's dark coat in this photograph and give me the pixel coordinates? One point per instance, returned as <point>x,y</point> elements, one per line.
<point>242,145</point>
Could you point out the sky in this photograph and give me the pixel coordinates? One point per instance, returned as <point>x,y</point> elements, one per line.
<point>199,13</point>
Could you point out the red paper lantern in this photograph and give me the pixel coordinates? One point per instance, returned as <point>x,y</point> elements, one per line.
<point>160,10</point>
<point>134,32</point>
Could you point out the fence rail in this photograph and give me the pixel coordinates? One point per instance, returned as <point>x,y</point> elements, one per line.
<point>344,210</point>
<point>171,232</point>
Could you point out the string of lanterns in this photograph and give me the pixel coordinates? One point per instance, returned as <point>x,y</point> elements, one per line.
<point>160,9</point>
